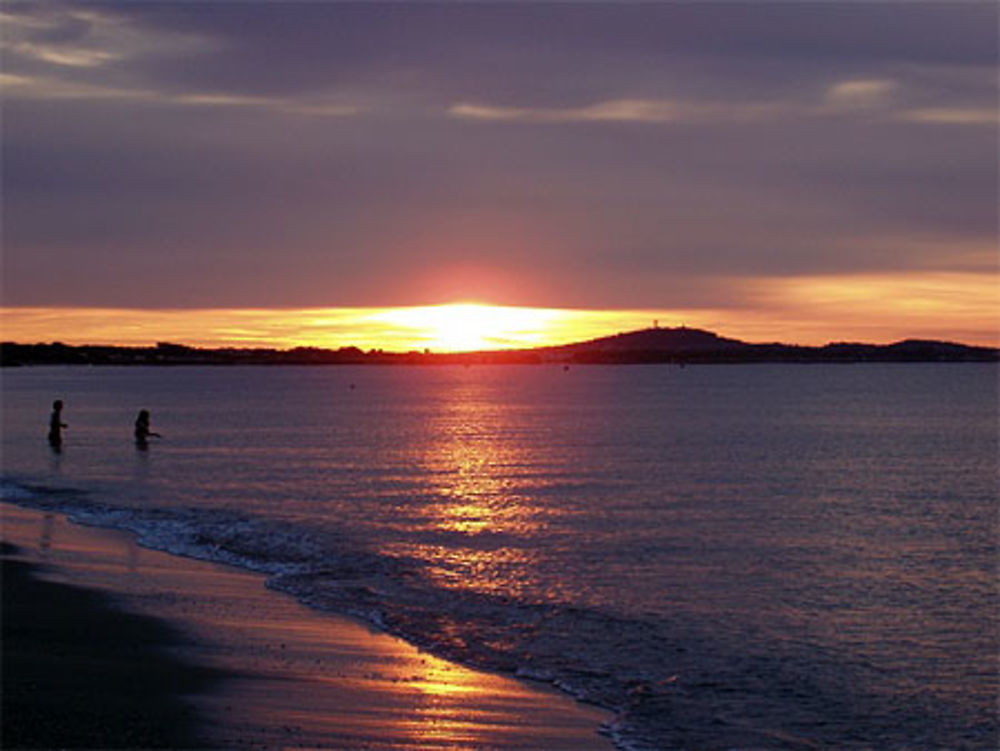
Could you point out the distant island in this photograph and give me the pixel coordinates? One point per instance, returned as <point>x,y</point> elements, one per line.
<point>680,346</point>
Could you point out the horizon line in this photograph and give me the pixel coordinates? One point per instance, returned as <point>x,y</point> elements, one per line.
<point>166,343</point>
<point>478,326</point>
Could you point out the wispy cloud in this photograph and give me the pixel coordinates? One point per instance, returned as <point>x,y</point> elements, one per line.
<point>620,111</point>
<point>861,93</point>
<point>888,98</point>
<point>75,37</point>
<point>952,116</point>
<point>76,57</point>
<point>880,98</point>
<point>41,87</point>
<point>61,53</point>
<point>18,86</point>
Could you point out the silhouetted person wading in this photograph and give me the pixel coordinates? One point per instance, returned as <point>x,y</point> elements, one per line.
<point>142,431</point>
<point>56,425</point>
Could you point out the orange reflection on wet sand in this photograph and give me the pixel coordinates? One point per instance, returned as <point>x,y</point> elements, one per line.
<point>300,678</point>
<point>457,704</point>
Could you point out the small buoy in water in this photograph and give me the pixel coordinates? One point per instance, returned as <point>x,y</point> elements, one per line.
<point>565,367</point>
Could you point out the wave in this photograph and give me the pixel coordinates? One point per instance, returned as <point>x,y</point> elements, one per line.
<point>326,572</point>
<point>669,683</point>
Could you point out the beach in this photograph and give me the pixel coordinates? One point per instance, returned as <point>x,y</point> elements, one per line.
<point>108,644</point>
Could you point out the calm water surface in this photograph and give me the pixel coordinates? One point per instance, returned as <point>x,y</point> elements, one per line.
<point>779,556</point>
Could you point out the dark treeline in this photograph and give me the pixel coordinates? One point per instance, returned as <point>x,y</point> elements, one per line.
<point>656,345</point>
<point>12,354</point>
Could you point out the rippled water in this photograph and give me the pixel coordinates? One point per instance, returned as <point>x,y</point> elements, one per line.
<point>774,556</point>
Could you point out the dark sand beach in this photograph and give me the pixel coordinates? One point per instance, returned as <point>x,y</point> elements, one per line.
<point>109,645</point>
<point>80,672</point>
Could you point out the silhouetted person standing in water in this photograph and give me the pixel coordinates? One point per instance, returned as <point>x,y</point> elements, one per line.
<point>56,425</point>
<point>142,431</point>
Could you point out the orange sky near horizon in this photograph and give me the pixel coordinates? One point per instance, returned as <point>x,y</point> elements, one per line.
<point>960,307</point>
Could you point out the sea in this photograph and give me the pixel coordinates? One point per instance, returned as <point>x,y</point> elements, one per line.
<point>725,556</point>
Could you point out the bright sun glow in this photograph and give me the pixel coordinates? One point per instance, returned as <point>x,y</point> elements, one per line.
<point>879,308</point>
<point>464,327</point>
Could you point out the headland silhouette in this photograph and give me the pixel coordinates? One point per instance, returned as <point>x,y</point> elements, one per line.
<point>679,345</point>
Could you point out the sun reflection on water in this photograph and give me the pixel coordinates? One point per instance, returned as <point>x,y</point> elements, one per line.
<point>476,458</point>
<point>477,498</point>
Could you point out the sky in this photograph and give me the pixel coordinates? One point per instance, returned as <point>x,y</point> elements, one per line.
<point>233,172</point>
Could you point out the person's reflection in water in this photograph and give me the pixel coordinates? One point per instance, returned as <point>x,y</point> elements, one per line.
<point>142,431</point>
<point>56,426</point>
<point>130,559</point>
<point>45,536</point>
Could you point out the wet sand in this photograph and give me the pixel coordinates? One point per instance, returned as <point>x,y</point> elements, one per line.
<point>205,655</point>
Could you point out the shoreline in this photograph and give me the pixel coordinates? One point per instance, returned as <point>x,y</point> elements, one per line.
<point>273,673</point>
<point>679,345</point>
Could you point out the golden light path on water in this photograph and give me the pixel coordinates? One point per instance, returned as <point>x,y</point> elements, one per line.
<point>472,458</point>
<point>875,308</point>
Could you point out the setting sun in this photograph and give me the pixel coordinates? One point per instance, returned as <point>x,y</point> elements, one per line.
<point>464,327</point>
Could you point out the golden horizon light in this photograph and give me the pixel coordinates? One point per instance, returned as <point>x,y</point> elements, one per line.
<point>878,309</point>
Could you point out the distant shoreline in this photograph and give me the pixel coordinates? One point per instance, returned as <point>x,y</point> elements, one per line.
<point>678,346</point>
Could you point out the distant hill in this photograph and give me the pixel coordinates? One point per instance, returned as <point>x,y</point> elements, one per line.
<point>680,339</point>
<point>680,345</point>
<point>651,345</point>
<point>684,345</point>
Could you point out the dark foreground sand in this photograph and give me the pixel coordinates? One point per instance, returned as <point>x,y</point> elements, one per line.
<point>108,645</point>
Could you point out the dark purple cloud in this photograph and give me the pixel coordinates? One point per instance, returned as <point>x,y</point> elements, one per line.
<point>605,155</point>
